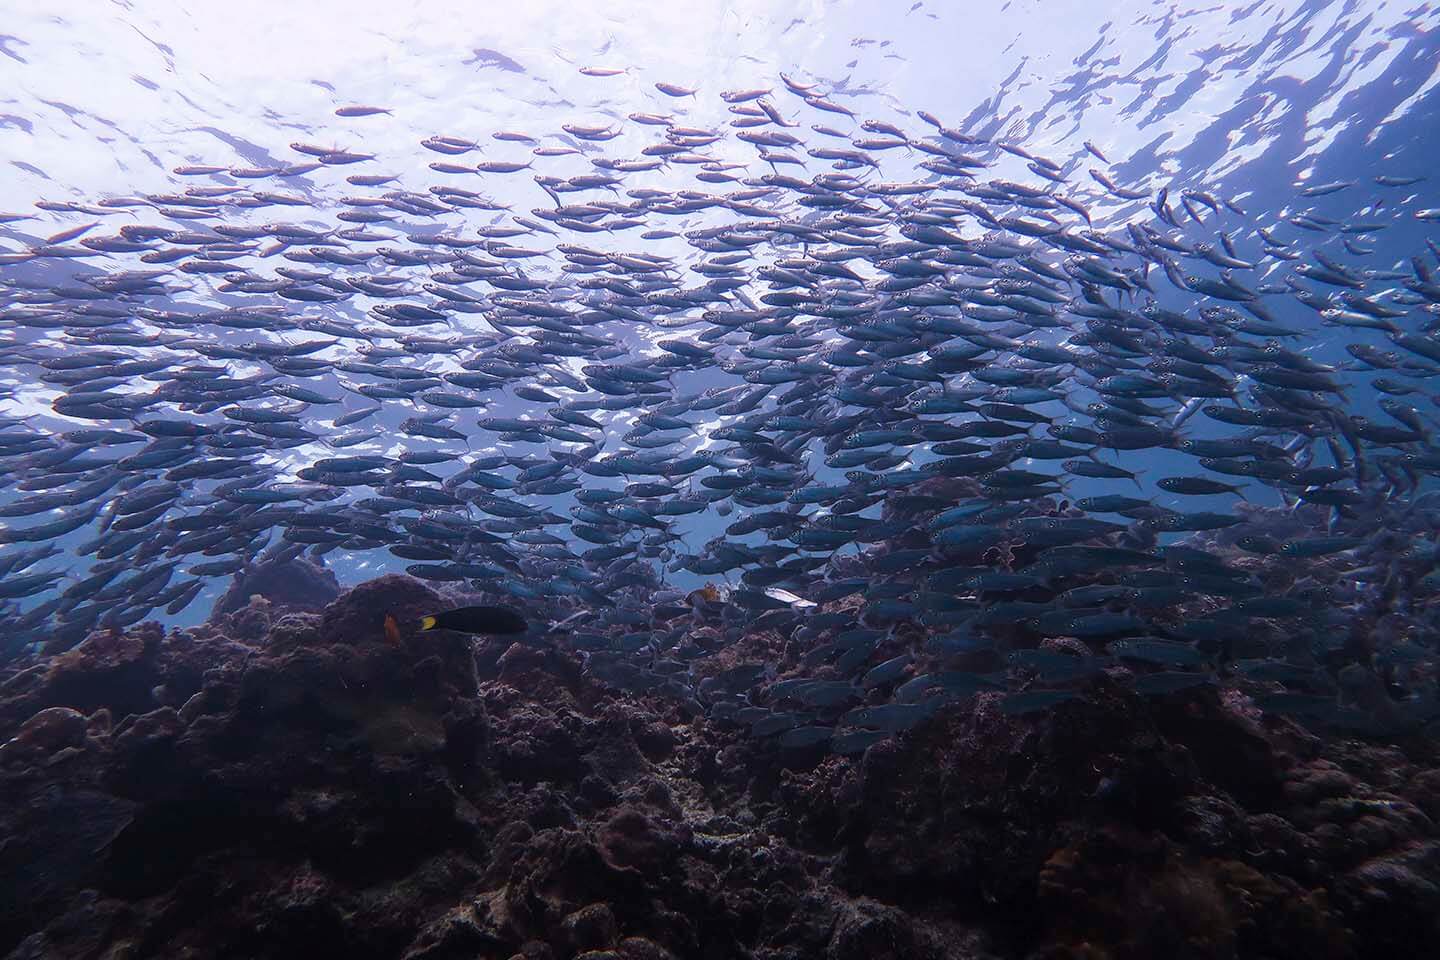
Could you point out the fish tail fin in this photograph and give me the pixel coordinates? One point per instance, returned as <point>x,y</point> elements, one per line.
<point>427,623</point>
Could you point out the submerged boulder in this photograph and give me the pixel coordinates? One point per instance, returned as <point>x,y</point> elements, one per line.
<point>295,585</point>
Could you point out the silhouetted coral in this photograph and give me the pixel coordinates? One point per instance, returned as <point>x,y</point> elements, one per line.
<point>292,584</point>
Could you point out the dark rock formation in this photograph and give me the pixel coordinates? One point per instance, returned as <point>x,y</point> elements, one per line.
<point>292,585</point>
<point>288,784</point>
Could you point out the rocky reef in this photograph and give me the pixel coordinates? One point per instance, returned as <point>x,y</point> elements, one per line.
<point>281,783</point>
<point>293,584</point>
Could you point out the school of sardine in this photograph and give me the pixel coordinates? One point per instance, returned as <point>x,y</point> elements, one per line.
<point>888,389</point>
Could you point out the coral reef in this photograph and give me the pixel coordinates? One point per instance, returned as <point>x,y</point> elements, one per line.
<point>295,584</point>
<point>281,784</point>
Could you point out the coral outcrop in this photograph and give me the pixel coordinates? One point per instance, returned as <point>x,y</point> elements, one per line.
<point>282,783</point>
<point>295,584</point>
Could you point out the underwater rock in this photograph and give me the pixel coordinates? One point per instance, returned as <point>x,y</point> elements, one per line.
<point>630,840</point>
<point>866,929</point>
<point>358,615</point>
<point>291,584</point>
<point>656,740</point>
<point>460,932</point>
<point>639,948</point>
<point>118,672</point>
<point>591,927</point>
<point>1145,897</point>
<point>294,630</point>
<point>320,790</point>
<point>55,837</point>
<point>1396,898</point>
<point>247,623</point>
<point>49,731</point>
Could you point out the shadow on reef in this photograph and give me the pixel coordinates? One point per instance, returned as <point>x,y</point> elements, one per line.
<point>289,784</point>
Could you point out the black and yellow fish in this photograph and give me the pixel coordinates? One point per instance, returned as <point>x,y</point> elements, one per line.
<point>480,619</point>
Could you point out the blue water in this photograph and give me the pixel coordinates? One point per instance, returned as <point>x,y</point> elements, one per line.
<point>1246,102</point>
